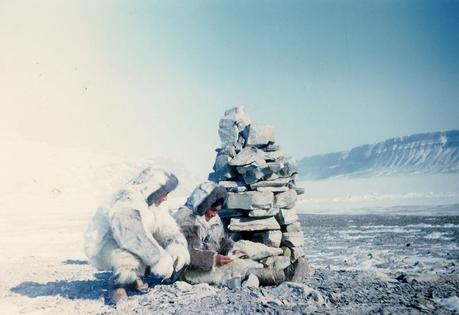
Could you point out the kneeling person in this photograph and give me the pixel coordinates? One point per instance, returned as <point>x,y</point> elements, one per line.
<point>128,235</point>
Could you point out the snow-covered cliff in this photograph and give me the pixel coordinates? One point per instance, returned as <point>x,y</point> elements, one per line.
<point>425,153</point>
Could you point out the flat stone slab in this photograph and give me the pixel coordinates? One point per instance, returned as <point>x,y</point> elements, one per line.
<point>272,147</point>
<point>261,213</point>
<point>257,251</point>
<point>233,186</point>
<point>250,200</point>
<point>286,199</point>
<point>293,239</point>
<point>269,238</point>
<point>248,156</point>
<point>294,227</point>
<point>259,134</point>
<point>252,224</point>
<point>280,182</point>
<point>273,189</point>
<point>287,216</point>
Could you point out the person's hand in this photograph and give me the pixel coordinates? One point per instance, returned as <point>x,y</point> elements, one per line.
<point>179,254</point>
<point>221,260</point>
<point>164,267</point>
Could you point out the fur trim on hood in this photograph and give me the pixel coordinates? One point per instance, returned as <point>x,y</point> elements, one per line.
<point>204,196</point>
<point>153,183</point>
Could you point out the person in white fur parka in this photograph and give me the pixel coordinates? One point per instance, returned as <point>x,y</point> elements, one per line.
<point>128,235</point>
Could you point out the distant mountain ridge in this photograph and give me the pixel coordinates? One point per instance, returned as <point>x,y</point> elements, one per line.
<point>424,153</point>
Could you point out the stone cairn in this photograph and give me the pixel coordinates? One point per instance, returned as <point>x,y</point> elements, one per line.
<point>262,188</point>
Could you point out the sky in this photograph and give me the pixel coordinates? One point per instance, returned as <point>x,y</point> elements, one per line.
<point>152,78</point>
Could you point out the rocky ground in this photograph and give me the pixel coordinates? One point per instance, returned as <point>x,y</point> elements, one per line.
<point>364,265</point>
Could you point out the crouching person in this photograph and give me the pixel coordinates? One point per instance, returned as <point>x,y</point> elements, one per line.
<point>215,259</point>
<point>128,235</point>
<point>209,248</point>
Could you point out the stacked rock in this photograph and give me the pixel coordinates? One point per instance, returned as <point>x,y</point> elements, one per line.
<point>262,186</point>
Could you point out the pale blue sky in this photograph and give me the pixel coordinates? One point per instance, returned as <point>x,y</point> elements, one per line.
<point>154,77</point>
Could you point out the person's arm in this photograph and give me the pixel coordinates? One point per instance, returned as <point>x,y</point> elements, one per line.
<point>129,233</point>
<point>172,239</point>
<point>201,259</point>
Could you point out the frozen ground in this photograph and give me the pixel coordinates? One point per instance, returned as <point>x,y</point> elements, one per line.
<point>364,263</point>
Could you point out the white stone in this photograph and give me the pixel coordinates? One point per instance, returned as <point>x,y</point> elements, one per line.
<point>248,156</point>
<point>294,227</point>
<point>269,238</point>
<point>259,134</point>
<point>251,224</point>
<point>251,282</point>
<point>250,200</point>
<point>261,213</point>
<point>256,251</point>
<point>280,182</point>
<point>273,189</point>
<point>293,239</point>
<point>287,216</point>
<point>286,199</point>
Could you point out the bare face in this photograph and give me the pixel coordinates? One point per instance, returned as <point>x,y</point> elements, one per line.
<point>160,200</point>
<point>212,212</point>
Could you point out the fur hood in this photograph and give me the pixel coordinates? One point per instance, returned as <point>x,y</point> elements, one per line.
<point>204,196</point>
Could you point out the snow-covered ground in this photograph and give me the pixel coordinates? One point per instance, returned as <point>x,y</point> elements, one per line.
<point>48,195</point>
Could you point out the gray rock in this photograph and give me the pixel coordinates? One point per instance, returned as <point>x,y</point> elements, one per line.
<point>297,252</point>
<point>248,156</point>
<point>239,116</point>
<point>250,224</point>
<point>228,132</point>
<point>261,213</point>
<point>272,147</point>
<point>234,121</point>
<point>273,157</point>
<point>293,239</point>
<point>275,166</point>
<point>258,134</point>
<point>253,173</point>
<point>278,262</point>
<point>183,286</point>
<point>286,199</point>
<point>290,167</point>
<point>287,216</point>
<point>288,289</point>
<point>251,282</point>
<point>233,186</point>
<point>269,238</point>
<point>250,200</point>
<point>294,227</point>
<point>280,182</point>
<point>273,189</point>
<point>257,251</point>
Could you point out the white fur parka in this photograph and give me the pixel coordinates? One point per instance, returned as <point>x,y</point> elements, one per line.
<point>149,233</point>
